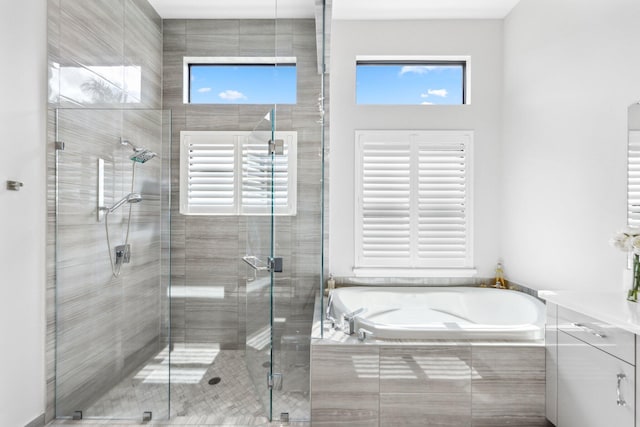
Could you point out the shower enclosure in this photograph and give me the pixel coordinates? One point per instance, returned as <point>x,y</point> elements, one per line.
<point>112,263</point>
<point>162,315</point>
<point>115,355</point>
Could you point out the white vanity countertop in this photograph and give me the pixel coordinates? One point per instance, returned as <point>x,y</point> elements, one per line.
<point>609,307</point>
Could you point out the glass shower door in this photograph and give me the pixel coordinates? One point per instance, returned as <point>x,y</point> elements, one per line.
<point>257,201</point>
<point>112,189</point>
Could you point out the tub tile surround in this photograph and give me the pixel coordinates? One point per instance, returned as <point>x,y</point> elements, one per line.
<point>482,384</point>
<point>345,385</point>
<point>431,281</point>
<point>493,383</point>
<point>509,386</point>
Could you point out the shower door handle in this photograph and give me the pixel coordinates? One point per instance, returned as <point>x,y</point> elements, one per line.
<point>255,263</point>
<point>273,263</point>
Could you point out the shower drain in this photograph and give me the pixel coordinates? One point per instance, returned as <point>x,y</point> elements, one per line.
<point>214,380</point>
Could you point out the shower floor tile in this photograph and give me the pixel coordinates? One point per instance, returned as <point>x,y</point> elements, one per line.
<point>233,401</point>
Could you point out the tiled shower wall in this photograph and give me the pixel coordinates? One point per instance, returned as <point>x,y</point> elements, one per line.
<point>207,251</point>
<point>105,60</point>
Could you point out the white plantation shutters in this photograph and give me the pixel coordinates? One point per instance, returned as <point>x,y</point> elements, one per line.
<point>207,173</point>
<point>229,173</point>
<point>413,199</point>
<point>442,192</point>
<point>384,219</point>
<point>257,177</point>
<point>633,179</point>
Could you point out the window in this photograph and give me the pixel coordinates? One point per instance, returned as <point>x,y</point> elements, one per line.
<point>413,202</point>
<point>633,179</point>
<point>229,173</point>
<point>412,81</point>
<point>241,80</point>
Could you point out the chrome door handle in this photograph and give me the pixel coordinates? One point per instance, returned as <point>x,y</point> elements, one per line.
<point>620,401</point>
<point>590,330</point>
<point>255,263</point>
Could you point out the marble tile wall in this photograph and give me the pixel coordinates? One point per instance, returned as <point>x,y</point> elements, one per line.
<point>508,386</point>
<point>105,62</point>
<point>440,384</point>
<point>206,251</point>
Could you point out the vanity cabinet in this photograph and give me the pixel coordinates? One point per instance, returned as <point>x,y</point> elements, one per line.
<point>594,388</point>
<point>591,373</point>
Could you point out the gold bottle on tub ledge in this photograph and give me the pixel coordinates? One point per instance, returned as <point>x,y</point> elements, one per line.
<point>500,277</point>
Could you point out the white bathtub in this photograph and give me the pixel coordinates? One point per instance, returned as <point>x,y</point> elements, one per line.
<point>439,313</point>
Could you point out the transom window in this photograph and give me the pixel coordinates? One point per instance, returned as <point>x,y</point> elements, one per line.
<point>413,201</point>
<point>240,80</point>
<point>412,81</point>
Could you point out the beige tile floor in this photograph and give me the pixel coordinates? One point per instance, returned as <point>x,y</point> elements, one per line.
<point>177,422</point>
<point>231,402</point>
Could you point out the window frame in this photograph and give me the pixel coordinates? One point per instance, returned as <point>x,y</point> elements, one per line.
<point>188,61</point>
<point>633,178</point>
<point>238,139</point>
<point>463,60</point>
<point>410,268</point>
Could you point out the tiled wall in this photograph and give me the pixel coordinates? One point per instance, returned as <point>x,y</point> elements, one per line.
<point>207,251</point>
<point>439,384</point>
<point>105,61</point>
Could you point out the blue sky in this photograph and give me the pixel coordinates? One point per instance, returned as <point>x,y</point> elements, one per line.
<point>243,84</point>
<point>409,84</point>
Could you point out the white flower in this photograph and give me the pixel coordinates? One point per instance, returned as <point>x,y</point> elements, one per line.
<point>627,239</point>
<point>620,241</point>
<point>635,244</point>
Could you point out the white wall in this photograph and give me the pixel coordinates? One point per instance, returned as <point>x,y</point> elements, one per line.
<point>22,213</point>
<point>571,69</point>
<point>480,39</point>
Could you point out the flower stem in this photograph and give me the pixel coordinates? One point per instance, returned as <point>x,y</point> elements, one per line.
<point>632,295</point>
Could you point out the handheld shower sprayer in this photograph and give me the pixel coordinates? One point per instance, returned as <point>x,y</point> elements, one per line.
<point>122,252</point>
<point>129,198</point>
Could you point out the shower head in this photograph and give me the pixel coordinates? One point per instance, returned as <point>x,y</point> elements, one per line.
<point>129,198</point>
<point>143,156</point>
<point>140,154</point>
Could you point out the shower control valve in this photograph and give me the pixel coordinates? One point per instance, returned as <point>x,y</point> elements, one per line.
<point>123,254</point>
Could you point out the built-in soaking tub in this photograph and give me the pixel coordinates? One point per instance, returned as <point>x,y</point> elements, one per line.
<point>465,313</point>
<point>454,356</point>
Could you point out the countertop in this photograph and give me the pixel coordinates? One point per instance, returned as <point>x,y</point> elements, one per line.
<point>609,307</point>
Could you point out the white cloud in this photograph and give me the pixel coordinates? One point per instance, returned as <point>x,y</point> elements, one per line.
<point>427,103</point>
<point>417,69</point>
<point>204,89</point>
<point>231,95</point>
<point>436,92</point>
